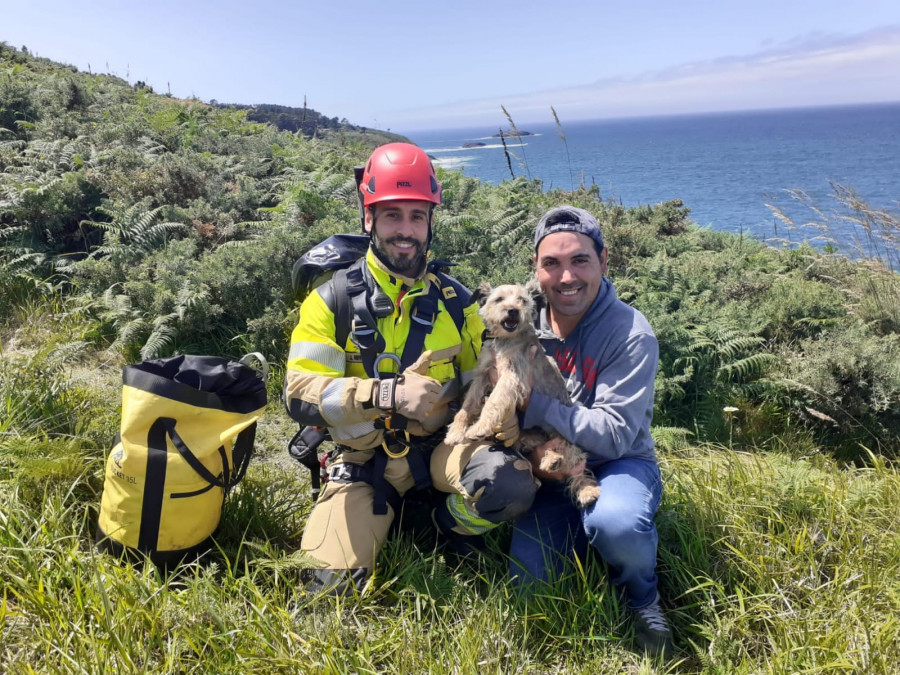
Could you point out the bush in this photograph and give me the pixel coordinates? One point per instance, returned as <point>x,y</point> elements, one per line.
<point>16,106</point>
<point>794,308</point>
<point>848,384</point>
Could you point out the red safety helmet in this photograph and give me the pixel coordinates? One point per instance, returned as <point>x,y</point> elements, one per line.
<point>399,171</point>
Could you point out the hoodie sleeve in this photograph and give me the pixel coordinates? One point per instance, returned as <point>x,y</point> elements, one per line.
<point>623,403</point>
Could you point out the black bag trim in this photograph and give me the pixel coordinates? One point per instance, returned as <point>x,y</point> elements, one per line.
<point>142,376</point>
<point>154,487</point>
<point>195,493</point>
<point>164,559</point>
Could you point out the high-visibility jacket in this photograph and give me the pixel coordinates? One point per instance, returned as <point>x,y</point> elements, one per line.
<point>326,383</point>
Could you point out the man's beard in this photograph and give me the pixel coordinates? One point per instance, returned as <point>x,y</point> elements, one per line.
<point>407,265</point>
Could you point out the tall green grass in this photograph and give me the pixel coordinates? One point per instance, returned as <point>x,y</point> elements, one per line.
<point>768,564</point>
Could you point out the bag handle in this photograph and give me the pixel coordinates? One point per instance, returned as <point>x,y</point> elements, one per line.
<point>247,360</point>
<point>241,453</point>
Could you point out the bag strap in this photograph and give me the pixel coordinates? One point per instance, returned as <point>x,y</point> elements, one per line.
<point>231,475</point>
<point>189,457</point>
<point>456,297</point>
<point>241,452</point>
<point>341,310</point>
<point>154,489</point>
<point>247,360</point>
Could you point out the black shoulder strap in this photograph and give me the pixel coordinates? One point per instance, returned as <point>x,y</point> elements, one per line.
<point>423,314</point>
<point>352,318</point>
<point>425,310</point>
<point>347,298</point>
<point>456,298</point>
<point>339,303</point>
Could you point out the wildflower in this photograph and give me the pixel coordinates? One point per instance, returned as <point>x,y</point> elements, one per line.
<point>730,409</point>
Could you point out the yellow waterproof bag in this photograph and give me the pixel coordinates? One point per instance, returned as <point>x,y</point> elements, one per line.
<point>186,437</point>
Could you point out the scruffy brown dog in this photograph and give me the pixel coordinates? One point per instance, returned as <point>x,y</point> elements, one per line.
<point>507,312</point>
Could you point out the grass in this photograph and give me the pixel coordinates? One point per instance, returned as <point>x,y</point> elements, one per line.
<point>772,560</point>
<point>769,563</point>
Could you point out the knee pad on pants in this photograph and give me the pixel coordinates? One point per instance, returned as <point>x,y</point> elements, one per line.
<point>500,483</point>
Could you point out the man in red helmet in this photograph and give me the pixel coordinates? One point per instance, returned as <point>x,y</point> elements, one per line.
<point>382,378</point>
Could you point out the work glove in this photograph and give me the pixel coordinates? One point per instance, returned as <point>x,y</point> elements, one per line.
<point>508,431</point>
<point>412,393</point>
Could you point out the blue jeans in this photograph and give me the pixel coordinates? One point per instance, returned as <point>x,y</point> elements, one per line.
<point>619,525</point>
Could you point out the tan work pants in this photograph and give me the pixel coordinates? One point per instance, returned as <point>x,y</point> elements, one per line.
<point>343,533</point>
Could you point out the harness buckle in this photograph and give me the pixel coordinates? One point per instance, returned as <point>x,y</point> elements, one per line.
<point>427,322</point>
<point>360,329</point>
<point>341,473</point>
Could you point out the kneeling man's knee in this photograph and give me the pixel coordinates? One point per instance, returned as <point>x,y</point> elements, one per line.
<point>500,482</point>
<point>613,528</point>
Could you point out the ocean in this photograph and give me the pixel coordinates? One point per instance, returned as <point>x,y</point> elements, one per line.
<point>724,166</point>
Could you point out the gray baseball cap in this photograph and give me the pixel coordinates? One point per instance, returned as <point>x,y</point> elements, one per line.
<point>569,219</point>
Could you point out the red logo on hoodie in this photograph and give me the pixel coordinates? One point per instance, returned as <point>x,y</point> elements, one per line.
<point>567,361</point>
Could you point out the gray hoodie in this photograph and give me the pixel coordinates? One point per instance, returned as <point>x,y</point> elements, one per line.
<point>609,362</point>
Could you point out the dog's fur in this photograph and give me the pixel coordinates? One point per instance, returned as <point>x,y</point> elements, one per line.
<point>507,312</point>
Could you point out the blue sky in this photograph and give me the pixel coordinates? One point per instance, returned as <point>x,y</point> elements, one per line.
<point>409,65</point>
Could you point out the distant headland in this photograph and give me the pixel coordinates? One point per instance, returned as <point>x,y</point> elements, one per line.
<point>513,132</point>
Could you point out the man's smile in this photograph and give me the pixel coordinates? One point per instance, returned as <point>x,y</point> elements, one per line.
<point>404,245</point>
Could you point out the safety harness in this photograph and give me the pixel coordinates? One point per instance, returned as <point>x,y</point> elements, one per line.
<point>357,303</point>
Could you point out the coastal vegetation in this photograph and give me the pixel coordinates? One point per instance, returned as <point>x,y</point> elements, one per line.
<point>135,225</point>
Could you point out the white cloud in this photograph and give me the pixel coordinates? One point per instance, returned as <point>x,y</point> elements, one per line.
<point>809,70</point>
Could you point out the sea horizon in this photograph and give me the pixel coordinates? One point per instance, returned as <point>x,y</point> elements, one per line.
<point>504,123</point>
<point>725,166</point>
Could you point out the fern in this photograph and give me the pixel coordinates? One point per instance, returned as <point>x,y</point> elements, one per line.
<point>510,229</point>
<point>132,232</point>
<point>162,337</point>
<point>670,439</point>
<point>749,367</point>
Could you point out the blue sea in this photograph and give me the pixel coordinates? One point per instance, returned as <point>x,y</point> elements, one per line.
<point>725,166</point>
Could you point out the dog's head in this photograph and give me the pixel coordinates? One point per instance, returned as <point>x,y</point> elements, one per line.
<point>506,310</point>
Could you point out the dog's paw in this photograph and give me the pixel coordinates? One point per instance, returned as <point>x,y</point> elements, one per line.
<point>587,495</point>
<point>482,429</point>
<point>551,461</point>
<point>456,432</point>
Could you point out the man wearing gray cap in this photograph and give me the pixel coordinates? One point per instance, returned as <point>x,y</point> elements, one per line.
<point>608,354</point>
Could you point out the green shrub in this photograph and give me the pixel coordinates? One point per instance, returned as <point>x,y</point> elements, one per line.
<point>794,307</point>
<point>16,106</point>
<point>35,397</point>
<point>848,384</point>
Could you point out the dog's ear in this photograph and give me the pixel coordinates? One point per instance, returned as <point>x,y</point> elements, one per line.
<point>537,296</point>
<point>480,294</point>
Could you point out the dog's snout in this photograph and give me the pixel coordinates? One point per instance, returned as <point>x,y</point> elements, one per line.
<point>513,313</point>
